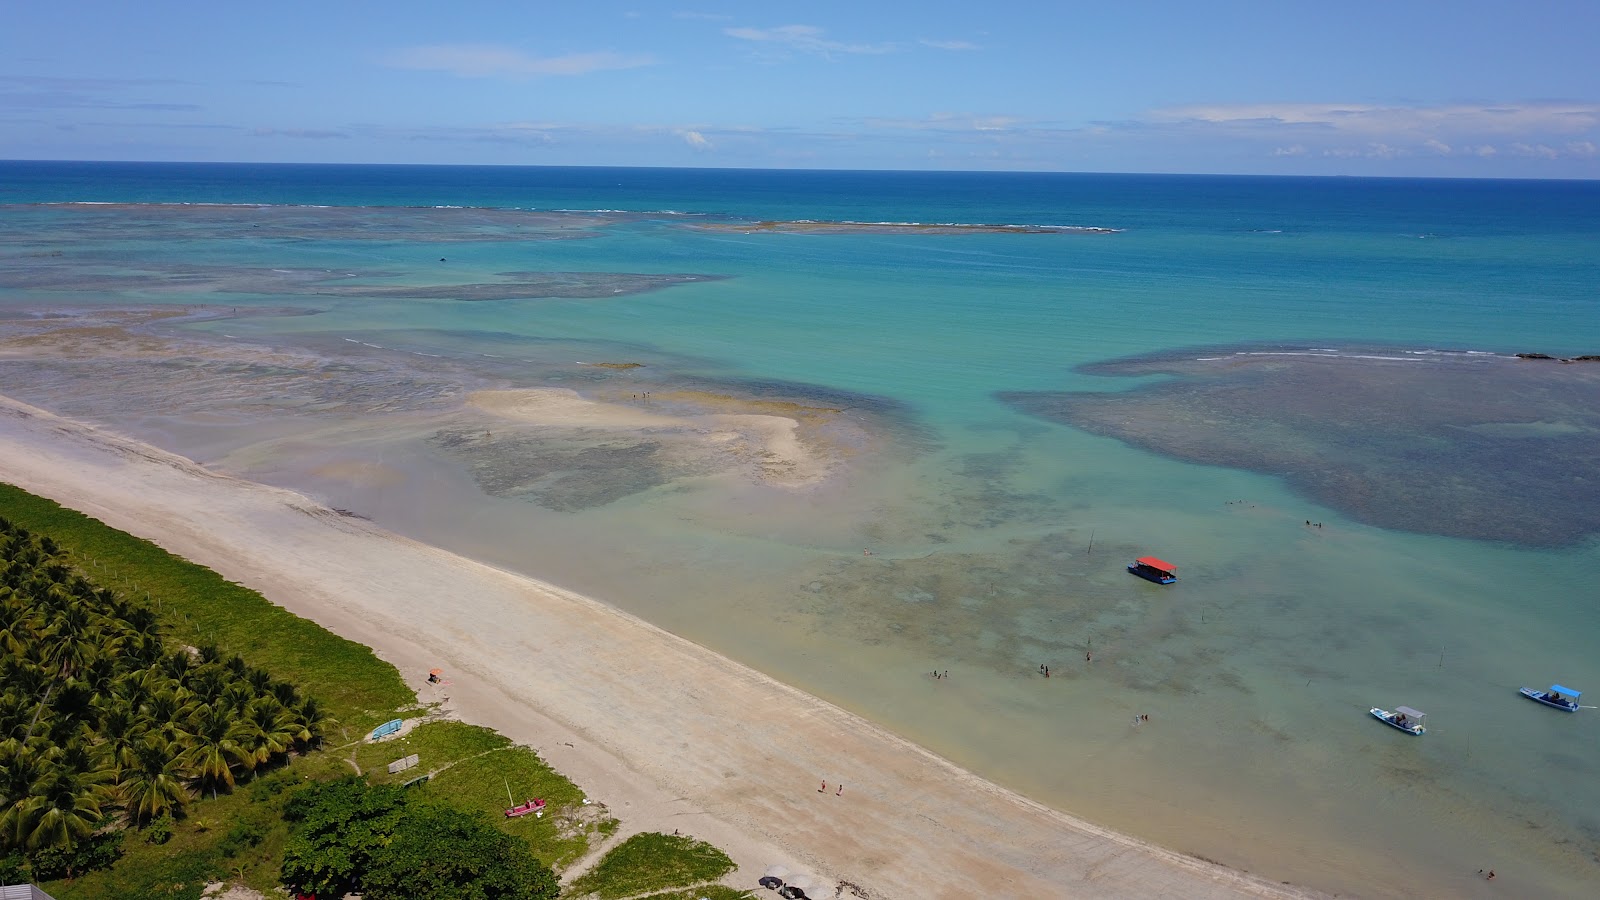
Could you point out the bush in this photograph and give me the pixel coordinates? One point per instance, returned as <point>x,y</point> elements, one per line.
<point>439,853</point>
<point>11,870</point>
<point>96,852</point>
<point>242,837</point>
<point>159,831</point>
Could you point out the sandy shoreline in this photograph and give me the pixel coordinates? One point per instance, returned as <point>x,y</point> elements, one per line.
<point>665,732</point>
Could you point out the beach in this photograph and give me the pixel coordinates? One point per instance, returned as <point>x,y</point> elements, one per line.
<point>664,732</point>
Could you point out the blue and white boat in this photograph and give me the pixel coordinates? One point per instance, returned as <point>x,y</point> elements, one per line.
<point>1411,721</point>
<point>1562,698</point>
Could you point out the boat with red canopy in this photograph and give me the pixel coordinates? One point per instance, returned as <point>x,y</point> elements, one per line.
<point>1159,571</point>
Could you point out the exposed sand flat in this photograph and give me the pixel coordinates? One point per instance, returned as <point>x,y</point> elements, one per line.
<point>667,733</point>
<point>772,439</point>
<point>561,406</point>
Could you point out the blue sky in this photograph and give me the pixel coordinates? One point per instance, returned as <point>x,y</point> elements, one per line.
<point>1465,88</point>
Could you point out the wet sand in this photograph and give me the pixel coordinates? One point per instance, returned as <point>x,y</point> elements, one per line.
<point>663,731</point>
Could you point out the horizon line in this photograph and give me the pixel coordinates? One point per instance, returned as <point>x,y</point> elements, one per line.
<point>420,165</point>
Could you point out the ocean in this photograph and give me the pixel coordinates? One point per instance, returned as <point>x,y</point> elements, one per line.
<point>1301,391</point>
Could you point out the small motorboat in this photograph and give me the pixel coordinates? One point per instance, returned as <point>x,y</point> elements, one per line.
<point>1411,721</point>
<point>1562,698</point>
<point>1152,569</point>
<point>522,809</point>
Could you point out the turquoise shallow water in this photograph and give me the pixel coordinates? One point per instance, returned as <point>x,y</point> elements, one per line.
<point>998,538</point>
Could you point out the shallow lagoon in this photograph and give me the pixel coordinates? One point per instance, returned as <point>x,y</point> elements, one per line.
<point>997,538</point>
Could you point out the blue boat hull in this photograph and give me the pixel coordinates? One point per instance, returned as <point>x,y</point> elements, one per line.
<point>1538,697</point>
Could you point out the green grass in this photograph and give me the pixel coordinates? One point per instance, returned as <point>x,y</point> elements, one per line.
<point>238,836</point>
<point>707,892</point>
<point>198,606</point>
<point>558,837</point>
<point>436,745</point>
<point>654,862</point>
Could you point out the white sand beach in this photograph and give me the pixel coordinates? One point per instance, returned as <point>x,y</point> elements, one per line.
<point>666,733</point>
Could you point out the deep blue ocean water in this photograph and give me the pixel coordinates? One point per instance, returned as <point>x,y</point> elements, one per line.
<point>998,537</point>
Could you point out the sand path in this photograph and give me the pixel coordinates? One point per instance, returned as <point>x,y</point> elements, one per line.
<point>666,733</point>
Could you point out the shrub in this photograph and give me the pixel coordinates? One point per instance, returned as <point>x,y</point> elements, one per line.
<point>159,831</point>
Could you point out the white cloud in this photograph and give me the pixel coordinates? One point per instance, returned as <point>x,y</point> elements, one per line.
<point>492,61</point>
<point>1294,150</point>
<point>948,122</point>
<point>1539,151</point>
<point>949,45</point>
<point>1437,146</point>
<point>308,133</point>
<point>806,39</point>
<point>1356,118</point>
<point>695,139</point>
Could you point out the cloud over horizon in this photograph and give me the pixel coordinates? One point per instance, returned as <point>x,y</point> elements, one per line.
<point>496,61</point>
<point>805,39</point>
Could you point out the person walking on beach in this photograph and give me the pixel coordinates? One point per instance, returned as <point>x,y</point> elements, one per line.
<point>823,789</point>
<point>839,792</point>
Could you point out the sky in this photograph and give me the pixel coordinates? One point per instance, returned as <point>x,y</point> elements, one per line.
<point>1396,88</point>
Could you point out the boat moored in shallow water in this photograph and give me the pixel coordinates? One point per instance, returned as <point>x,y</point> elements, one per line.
<point>1153,569</point>
<point>1562,698</point>
<point>1411,721</point>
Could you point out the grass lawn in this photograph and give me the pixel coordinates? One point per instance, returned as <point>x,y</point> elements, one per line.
<point>653,862</point>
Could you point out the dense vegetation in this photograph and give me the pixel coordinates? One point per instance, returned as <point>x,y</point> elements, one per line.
<point>653,862</point>
<point>99,718</point>
<point>387,844</point>
<point>249,835</point>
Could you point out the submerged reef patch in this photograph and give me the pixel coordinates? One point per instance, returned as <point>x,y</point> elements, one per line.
<point>1464,444</point>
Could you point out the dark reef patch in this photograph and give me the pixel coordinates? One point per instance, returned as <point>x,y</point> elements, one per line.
<point>568,472</point>
<point>1474,445</point>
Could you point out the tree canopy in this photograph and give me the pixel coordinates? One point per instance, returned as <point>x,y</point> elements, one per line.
<point>349,836</point>
<point>100,721</point>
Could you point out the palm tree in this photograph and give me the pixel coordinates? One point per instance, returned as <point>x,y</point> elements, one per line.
<point>16,624</point>
<point>73,636</point>
<point>212,749</point>
<point>308,721</point>
<point>152,786</point>
<point>167,714</point>
<point>237,696</point>
<point>269,730</point>
<point>16,711</point>
<point>176,665</point>
<point>64,809</point>
<point>20,769</point>
<point>119,732</point>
